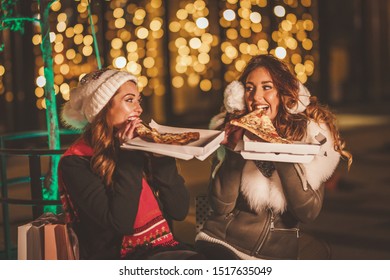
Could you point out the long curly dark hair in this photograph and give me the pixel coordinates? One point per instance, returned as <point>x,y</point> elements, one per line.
<point>293,126</point>
<point>99,134</point>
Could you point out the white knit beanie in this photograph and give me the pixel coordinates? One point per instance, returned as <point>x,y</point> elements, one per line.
<point>93,92</point>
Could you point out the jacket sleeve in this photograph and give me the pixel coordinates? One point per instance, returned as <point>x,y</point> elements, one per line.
<point>169,185</point>
<point>303,184</point>
<point>115,208</point>
<point>225,186</point>
<point>302,201</point>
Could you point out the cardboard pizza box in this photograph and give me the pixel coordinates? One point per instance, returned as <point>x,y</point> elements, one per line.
<point>208,142</point>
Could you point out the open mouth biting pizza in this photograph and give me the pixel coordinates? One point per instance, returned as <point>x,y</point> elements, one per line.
<point>152,135</point>
<point>260,125</point>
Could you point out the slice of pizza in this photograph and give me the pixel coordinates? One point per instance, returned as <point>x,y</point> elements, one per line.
<point>260,125</point>
<point>152,135</point>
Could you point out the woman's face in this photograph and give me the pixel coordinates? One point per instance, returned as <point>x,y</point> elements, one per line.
<point>125,105</point>
<point>260,93</point>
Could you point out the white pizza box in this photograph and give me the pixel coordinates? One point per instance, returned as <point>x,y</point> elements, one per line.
<point>207,143</point>
<point>280,157</point>
<point>294,148</point>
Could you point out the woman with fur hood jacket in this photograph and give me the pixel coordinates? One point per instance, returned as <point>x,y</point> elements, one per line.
<point>258,205</point>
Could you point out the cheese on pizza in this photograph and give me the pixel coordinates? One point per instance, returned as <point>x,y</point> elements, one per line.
<point>260,125</point>
<point>152,135</point>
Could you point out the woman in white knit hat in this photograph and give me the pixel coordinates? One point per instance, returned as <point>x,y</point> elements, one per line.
<point>108,194</point>
<point>258,205</point>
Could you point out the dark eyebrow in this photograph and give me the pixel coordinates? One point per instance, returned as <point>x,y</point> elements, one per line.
<point>129,95</point>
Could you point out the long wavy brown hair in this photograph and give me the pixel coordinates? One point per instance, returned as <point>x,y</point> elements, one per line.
<point>99,134</point>
<point>293,126</point>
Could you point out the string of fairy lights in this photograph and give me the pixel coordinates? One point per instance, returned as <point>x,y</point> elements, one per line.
<point>201,46</point>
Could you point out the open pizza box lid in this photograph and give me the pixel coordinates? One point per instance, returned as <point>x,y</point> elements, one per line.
<point>295,152</point>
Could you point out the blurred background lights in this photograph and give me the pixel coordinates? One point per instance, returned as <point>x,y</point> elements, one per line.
<point>229,15</point>
<point>280,52</point>
<point>202,23</point>
<point>279,11</point>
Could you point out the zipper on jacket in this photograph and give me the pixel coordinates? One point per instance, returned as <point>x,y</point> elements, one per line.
<point>264,235</point>
<point>273,228</point>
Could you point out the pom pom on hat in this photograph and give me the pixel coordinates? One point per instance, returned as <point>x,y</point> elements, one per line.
<point>93,92</point>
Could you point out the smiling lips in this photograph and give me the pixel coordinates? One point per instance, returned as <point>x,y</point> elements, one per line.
<point>263,108</point>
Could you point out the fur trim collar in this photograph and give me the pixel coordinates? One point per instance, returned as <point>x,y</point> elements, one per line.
<point>261,192</point>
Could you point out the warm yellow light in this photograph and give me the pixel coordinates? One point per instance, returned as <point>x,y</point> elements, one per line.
<point>199,67</point>
<point>118,13</point>
<point>64,88</point>
<point>286,25</point>
<point>204,58</point>
<point>61,26</point>
<point>291,43</point>
<point>174,26</point>
<point>184,50</point>
<point>306,3</point>
<point>39,92</point>
<point>69,32</point>
<point>291,18</point>
<point>296,58</point>
<point>180,68</point>
<point>78,39</point>
<point>308,25</point>
<point>41,81</point>
<point>205,85</point>
<point>140,14</point>
<point>256,27</point>
<point>193,80</point>
<point>231,34</point>
<point>299,68</point>
<point>302,78</point>
<point>87,50</point>
<point>142,81</point>
<point>280,52</point>
<point>204,48</point>
<point>255,17</point>
<point>177,82</point>
<point>190,26</point>
<point>58,59</point>
<point>179,42</point>
<point>195,43</point>
<point>36,39</point>
<point>70,54</point>
<point>58,47</point>
<point>131,46</point>
<point>182,14</point>
<point>149,62</point>
<point>120,23</point>
<point>2,70</point>
<point>56,6</point>
<point>231,52</point>
<point>202,22</point>
<point>88,40</point>
<point>119,62</point>
<point>78,28</point>
<point>307,44</point>
<point>64,69</point>
<point>279,11</point>
<point>116,43</point>
<point>240,65</point>
<point>155,25</point>
<point>142,33</point>
<point>225,59</point>
<point>62,17</point>
<point>156,4</point>
<point>229,15</point>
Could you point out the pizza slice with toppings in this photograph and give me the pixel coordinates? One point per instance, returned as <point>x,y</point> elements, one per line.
<point>152,135</point>
<point>260,125</point>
